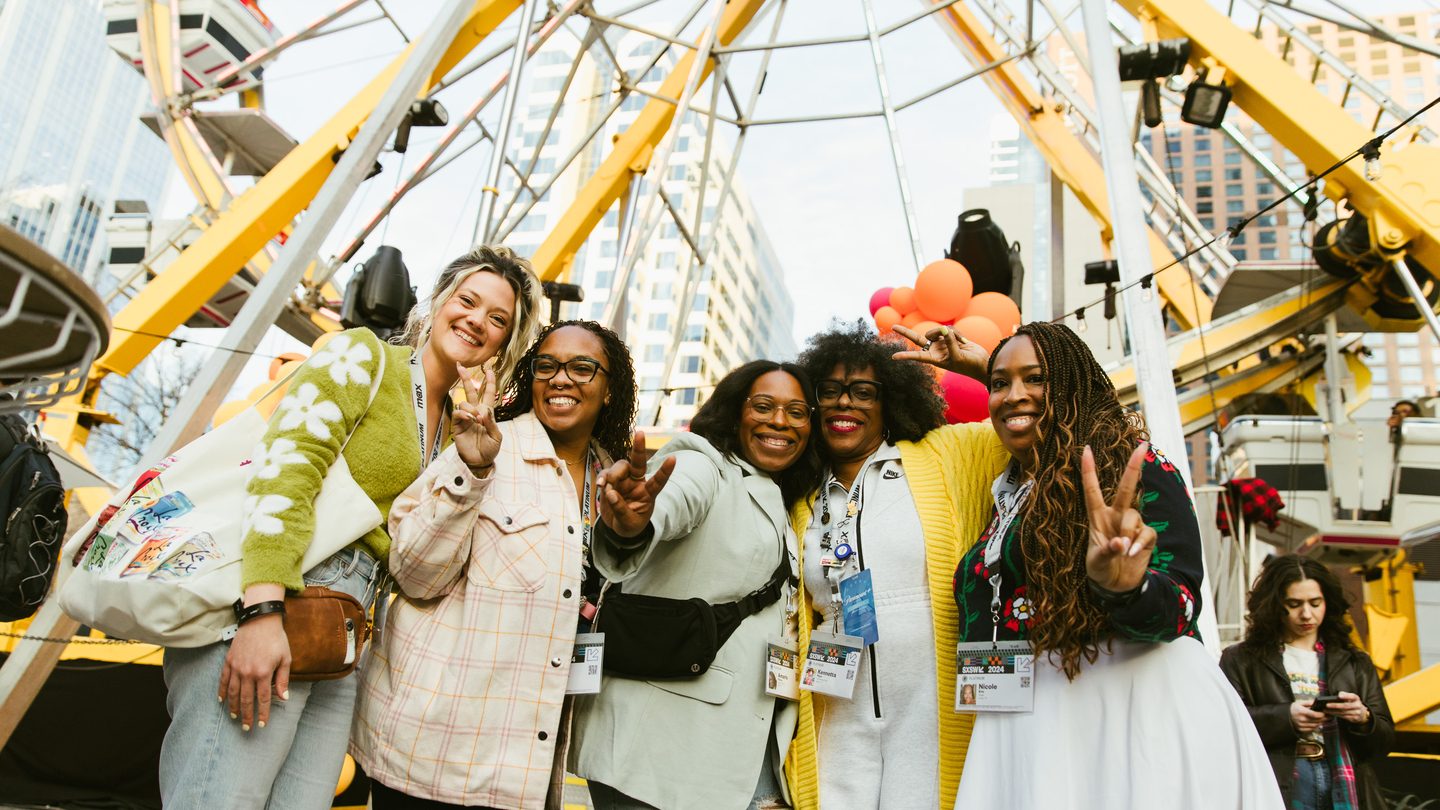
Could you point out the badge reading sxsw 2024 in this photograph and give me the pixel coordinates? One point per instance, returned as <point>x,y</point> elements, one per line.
<point>994,677</point>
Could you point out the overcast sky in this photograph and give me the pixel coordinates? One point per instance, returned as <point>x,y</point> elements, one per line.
<point>827,192</point>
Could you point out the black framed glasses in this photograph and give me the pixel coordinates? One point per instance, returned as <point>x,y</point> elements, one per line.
<point>578,369</point>
<point>794,412</point>
<point>863,393</point>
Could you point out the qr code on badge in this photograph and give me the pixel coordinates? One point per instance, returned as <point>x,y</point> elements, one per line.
<point>1025,682</point>
<point>592,669</point>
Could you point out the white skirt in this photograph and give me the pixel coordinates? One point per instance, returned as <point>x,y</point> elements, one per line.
<point>1147,726</point>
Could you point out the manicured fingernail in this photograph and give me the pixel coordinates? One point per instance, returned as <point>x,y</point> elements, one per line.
<point>220,698</point>
<point>285,695</point>
<point>262,724</point>
<point>234,716</point>
<point>244,726</point>
<point>1135,549</point>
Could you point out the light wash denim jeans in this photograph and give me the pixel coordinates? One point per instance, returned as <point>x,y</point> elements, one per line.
<point>1311,790</point>
<point>294,762</point>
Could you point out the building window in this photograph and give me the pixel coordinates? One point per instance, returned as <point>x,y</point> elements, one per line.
<point>685,397</point>
<point>658,321</point>
<point>1239,254</point>
<point>1267,237</point>
<point>1268,253</point>
<point>1202,144</point>
<point>1202,160</point>
<point>1205,207</point>
<point>654,353</point>
<point>1232,158</point>
<point>1264,188</point>
<point>1234,190</point>
<point>1203,176</point>
<point>691,364</point>
<point>1233,174</point>
<point>1203,191</point>
<point>1234,206</point>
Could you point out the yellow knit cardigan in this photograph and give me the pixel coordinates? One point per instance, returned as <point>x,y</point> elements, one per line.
<point>950,472</point>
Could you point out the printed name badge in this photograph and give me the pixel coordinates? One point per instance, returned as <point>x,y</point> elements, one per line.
<point>585,664</point>
<point>780,676</point>
<point>995,677</point>
<point>832,664</point>
<point>857,601</point>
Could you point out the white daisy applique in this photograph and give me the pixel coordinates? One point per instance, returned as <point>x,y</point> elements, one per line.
<point>268,461</point>
<point>344,360</point>
<point>261,511</point>
<point>304,407</point>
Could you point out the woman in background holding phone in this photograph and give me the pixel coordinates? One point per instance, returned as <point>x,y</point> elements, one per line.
<point>1314,695</point>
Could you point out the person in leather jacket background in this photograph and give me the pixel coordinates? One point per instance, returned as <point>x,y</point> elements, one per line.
<point>1297,648</point>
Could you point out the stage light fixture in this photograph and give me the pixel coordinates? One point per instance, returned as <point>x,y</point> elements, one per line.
<point>1149,62</point>
<point>1206,100</point>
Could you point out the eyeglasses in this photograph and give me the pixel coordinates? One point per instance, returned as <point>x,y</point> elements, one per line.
<point>579,369</point>
<point>794,412</point>
<point>863,393</point>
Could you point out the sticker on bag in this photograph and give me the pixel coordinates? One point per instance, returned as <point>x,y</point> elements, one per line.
<point>198,552</point>
<point>153,516</point>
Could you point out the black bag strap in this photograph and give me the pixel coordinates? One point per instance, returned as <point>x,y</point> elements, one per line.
<point>764,596</point>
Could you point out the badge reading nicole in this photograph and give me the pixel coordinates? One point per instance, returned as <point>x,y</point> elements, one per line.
<point>995,677</point>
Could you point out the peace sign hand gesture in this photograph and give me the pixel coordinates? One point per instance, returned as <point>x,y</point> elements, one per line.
<point>946,348</point>
<point>627,497</point>
<point>477,437</point>
<point>1120,542</point>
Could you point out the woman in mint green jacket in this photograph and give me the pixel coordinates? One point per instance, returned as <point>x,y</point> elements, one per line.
<point>247,750</point>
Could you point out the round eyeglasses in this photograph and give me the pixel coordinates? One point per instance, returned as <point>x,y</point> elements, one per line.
<point>578,369</point>
<point>863,393</point>
<point>795,413</point>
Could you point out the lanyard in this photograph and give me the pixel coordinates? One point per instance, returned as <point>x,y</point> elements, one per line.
<point>1010,494</point>
<point>587,523</point>
<point>417,384</point>
<point>853,502</point>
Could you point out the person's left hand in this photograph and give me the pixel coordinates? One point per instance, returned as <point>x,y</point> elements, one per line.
<point>1349,708</point>
<point>627,496</point>
<point>946,348</point>
<point>1119,552</point>
<point>477,437</point>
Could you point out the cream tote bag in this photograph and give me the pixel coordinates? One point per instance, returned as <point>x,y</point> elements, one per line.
<point>165,567</point>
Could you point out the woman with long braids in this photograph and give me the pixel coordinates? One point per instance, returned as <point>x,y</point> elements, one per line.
<point>464,702</point>
<point>1092,561</point>
<point>1297,648</point>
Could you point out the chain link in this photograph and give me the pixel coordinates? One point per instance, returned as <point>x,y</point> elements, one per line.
<point>69,640</point>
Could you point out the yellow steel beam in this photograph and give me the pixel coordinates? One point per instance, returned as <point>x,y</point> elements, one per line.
<point>1043,122</point>
<point>631,154</point>
<point>265,209</point>
<point>158,51</point>
<point>1403,206</point>
<point>1414,696</point>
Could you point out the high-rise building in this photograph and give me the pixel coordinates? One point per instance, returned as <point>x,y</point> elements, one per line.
<point>742,309</point>
<point>71,140</point>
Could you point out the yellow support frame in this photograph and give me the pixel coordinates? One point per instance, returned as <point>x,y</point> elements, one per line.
<point>1043,122</point>
<point>632,153</point>
<point>1403,206</point>
<point>243,229</point>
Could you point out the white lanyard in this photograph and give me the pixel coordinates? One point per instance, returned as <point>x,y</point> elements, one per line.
<point>1010,494</point>
<point>428,452</point>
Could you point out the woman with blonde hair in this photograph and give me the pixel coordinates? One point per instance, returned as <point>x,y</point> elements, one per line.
<point>268,742</point>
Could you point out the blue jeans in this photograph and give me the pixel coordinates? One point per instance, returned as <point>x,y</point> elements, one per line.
<point>206,761</point>
<point>1311,790</point>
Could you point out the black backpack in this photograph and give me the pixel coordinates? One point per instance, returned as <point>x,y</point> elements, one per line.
<point>32,519</point>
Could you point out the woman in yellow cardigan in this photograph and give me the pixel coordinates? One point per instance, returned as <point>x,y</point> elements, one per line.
<point>903,495</point>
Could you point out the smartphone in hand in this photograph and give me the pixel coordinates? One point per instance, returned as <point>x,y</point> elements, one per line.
<point>1324,701</point>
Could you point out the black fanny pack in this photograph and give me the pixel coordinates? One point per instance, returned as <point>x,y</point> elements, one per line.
<point>658,638</point>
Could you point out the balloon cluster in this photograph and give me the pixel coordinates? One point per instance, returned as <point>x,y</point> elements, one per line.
<point>944,295</point>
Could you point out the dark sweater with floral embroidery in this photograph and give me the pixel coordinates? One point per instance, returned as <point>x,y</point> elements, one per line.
<point>1169,603</point>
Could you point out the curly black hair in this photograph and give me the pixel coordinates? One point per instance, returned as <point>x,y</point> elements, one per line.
<point>718,422</point>
<point>616,422</point>
<point>911,403</point>
<point>1265,606</point>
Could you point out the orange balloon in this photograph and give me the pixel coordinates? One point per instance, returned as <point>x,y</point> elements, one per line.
<point>912,320</point>
<point>998,308</point>
<point>943,289</point>
<point>885,318</point>
<point>324,338</point>
<point>925,326</point>
<point>229,410</point>
<point>981,330</point>
<point>903,300</point>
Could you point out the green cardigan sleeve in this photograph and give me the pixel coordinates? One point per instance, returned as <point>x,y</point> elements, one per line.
<point>323,404</point>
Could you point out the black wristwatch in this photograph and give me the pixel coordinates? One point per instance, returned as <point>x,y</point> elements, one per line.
<point>1111,600</point>
<point>244,613</point>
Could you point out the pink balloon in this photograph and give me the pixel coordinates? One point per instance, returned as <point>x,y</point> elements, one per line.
<point>967,400</point>
<point>881,298</point>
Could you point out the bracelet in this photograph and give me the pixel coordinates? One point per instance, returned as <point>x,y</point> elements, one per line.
<point>244,613</point>
<point>1114,599</point>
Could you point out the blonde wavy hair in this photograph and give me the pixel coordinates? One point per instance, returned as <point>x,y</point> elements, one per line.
<point>503,262</point>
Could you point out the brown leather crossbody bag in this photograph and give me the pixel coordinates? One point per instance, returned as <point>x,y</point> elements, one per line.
<point>327,631</point>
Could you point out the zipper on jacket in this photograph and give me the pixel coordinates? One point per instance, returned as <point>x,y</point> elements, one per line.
<point>874,669</point>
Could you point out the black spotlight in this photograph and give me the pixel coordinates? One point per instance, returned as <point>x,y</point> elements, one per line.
<point>379,296</point>
<point>1150,62</point>
<point>427,112</point>
<point>994,262</point>
<point>1105,272</point>
<point>557,292</point>
<point>1206,100</point>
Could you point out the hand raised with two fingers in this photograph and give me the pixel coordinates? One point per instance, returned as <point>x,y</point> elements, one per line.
<point>946,348</point>
<point>627,495</point>
<point>476,435</point>
<point>1120,542</point>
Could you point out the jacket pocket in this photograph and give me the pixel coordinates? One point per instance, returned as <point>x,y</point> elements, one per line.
<point>507,552</point>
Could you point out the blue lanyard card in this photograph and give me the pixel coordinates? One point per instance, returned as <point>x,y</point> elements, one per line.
<point>857,600</point>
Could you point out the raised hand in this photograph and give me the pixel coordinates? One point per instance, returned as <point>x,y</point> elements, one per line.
<point>945,347</point>
<point>477,437</point>
<point>627,496</point>
<point>1120,542</point>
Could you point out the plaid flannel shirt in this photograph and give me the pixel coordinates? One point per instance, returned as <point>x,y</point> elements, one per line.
<point>461,701</point>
